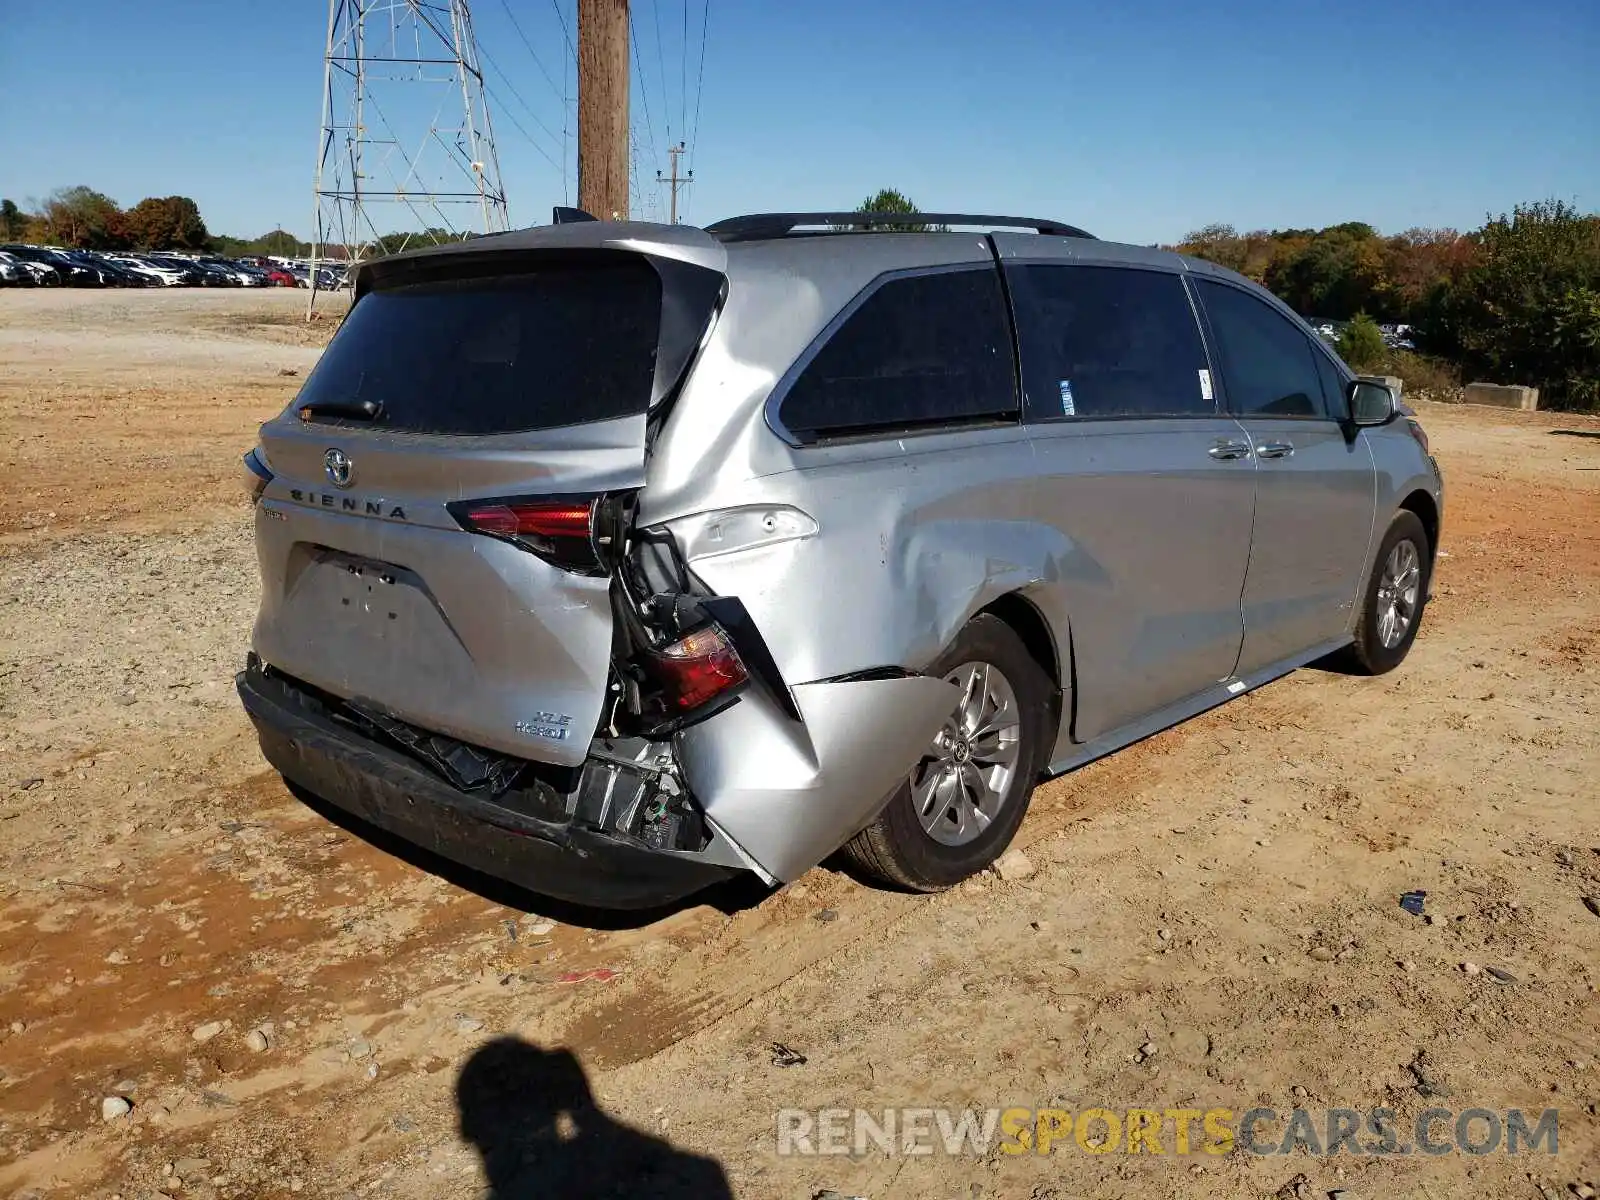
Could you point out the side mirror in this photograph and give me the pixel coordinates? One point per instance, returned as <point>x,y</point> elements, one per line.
<point>1370,403</point>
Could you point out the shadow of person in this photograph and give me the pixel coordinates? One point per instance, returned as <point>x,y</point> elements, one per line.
<point>535,1122</point>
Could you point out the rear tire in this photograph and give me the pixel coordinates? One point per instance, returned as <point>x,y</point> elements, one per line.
<point>960,805</point>
<point>1397,591</point>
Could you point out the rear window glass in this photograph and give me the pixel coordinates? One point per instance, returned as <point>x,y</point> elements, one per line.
<point>560,346</point>
<point>925,350</point>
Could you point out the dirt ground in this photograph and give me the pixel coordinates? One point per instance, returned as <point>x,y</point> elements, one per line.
<point>1225,894</point>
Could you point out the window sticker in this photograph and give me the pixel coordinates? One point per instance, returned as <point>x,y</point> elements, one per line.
<point>1205,384</point>
<point>1067,407</point>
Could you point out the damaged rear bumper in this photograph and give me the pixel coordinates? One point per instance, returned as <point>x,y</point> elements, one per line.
<point>377,784</point>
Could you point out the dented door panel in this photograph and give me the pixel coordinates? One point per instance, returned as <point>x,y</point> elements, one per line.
<point>904,552</point>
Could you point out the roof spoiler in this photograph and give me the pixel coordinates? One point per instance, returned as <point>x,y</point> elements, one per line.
<point>758,226</point>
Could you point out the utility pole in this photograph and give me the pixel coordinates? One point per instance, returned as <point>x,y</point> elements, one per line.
<point>675,180</point>
<point>603,108</point>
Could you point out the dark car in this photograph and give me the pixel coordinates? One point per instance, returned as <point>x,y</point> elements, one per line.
<point>193,274</point>
<point>66,272</point>
<point>117,275</point>
<point>108,273</point>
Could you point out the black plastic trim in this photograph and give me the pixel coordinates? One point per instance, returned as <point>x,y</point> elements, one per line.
<point>384,789</point>
<point>761,226</point>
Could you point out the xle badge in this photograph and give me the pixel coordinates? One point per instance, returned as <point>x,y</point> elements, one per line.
<point>551,726</point>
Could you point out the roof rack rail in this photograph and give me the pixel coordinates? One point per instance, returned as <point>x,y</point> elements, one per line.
<point>758,226</point>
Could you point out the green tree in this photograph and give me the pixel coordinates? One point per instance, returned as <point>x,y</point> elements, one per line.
<point>12,220</point>
<point>167,223</point>
<point>887,200</point>
<point>1577,340</point>
<point>80,216</point>
<point>1335,272</point>
<point>1518,314</point>
<point>1218,243</point>
<point>394,243</point>
<point>1361,344</point>
<point>282,244</point>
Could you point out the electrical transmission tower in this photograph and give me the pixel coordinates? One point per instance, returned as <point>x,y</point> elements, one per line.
<point>405,130</point>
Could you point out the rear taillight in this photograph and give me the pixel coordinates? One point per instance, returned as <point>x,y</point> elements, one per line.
<point>1419,433</point>
<point>255,475</point>
<point>697,669</point>
<point>559,531</point>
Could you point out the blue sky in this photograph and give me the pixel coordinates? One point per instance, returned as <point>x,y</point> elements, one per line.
<point>1137,120</point>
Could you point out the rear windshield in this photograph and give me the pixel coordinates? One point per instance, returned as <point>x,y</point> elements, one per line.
<point>558,346</point>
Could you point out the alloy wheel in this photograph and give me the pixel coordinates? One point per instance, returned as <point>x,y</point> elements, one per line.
<point>1398,590</point>
<point>964,776</point>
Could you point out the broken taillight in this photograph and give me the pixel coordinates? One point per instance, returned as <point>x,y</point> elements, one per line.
<point>697,669</point>
<point>560,531</point>
<point>255,474</point>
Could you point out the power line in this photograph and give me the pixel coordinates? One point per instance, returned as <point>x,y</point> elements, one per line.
<point>700,83</point>
<point>515,24</point>
<point>683,74</point>
<point>565,33</point>
<point>512,88</point>
<point>661,70</point>
<point>569,64</point>
<point>518,126</point>
<point>644,92</point>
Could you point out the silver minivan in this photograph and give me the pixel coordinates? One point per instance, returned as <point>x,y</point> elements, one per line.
<point>614,558</point>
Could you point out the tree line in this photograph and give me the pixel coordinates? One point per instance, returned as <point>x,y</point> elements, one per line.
<point>84,219</point>
<point>1515,301</point>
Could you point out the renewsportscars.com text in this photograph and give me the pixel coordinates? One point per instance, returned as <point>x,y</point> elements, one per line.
<point>1178,1131</point>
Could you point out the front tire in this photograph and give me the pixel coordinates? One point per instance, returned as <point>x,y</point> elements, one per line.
<point>961,803</point>
<point>1391,610</point>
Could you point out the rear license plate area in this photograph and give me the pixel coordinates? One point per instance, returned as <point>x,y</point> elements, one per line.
<point>367,600</point>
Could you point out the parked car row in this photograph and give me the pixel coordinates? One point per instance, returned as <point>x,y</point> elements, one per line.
<point>1396,337</point>
<point>54,266</point>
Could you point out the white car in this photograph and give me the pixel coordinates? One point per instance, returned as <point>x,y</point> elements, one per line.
<point>169,276</point>
<point>13,273</point>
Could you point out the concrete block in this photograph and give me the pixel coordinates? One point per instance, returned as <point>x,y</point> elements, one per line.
<point>1503,395</point>
<point>1394,382</point>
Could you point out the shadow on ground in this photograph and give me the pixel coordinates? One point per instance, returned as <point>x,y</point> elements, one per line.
<point>534,1120</point>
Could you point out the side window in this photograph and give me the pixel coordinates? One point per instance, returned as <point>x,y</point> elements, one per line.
<point>1108,342</point>
<point>1268,365</point>
<point>1332,387</point>
<point>920,351</point>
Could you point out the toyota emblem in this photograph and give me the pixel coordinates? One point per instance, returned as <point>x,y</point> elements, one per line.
<point>340,470</point>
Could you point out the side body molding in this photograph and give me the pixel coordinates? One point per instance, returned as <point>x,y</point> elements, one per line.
<point>789,793</point>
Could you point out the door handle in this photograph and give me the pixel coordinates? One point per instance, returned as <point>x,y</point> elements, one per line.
<point>1274,449</point>
<point>1224,451</point>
